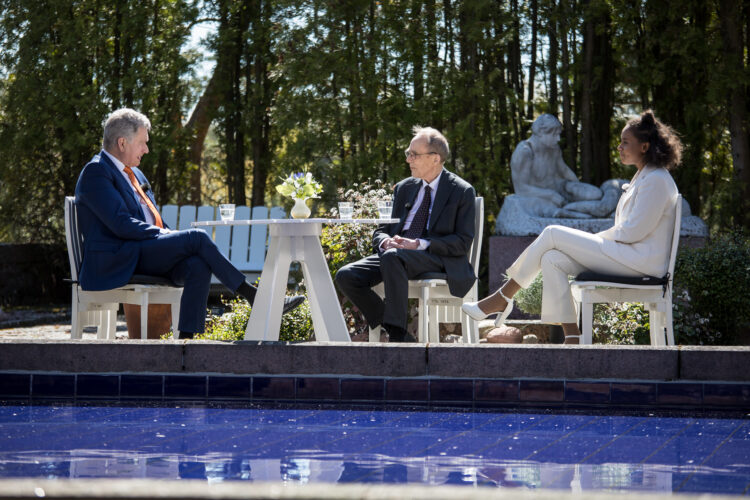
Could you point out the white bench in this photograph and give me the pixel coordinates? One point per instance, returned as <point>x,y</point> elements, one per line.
<point>243,246</point>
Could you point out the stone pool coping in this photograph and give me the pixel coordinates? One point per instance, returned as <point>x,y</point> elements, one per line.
<point>543,361</point>
<point>143,489</point>
<point>686,378</point>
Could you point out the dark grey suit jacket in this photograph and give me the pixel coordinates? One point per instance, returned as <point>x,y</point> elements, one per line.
<point>451,225</point>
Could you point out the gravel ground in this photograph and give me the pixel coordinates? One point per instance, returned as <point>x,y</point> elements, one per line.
<point>47,323</point>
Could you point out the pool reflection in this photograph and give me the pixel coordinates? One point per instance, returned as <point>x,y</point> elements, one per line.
<point>496,450</point>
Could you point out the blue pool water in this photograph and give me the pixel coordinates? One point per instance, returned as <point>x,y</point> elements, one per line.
<point>526,450</point>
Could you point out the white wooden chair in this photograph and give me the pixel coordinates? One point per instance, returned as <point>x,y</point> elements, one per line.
<point>655,293</point>
<point>436,304</point>
<point>142,290</point>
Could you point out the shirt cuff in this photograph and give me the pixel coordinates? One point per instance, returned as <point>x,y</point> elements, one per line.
<point>423,244</point>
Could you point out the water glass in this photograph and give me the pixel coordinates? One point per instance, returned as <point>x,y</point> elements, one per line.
<point>226,211</point>
<point>385,207</point>
<point>346,209</point>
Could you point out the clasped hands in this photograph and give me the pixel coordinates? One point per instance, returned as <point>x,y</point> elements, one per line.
<point>400,242</point>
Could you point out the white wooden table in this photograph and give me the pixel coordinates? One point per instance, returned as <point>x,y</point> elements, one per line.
<point>296,240</point>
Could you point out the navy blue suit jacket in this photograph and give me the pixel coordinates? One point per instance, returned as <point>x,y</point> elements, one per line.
<point>112,222</point>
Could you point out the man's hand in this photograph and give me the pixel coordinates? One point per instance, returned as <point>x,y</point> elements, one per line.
<point>400,242</point>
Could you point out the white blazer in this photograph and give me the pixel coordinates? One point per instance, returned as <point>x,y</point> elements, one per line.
<point>644,220</point>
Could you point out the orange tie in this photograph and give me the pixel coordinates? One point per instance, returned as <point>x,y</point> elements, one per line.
<point>146,200</point>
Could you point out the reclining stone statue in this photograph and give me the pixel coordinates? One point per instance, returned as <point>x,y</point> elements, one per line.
<point>540,174</point>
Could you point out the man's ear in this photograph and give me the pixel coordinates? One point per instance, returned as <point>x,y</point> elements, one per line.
<point>121,143</point>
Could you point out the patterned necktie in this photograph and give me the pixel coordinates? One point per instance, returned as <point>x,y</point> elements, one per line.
<point>146,199</point>
<point>419,222</point>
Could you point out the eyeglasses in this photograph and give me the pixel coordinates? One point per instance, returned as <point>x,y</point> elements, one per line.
<point>412,154</point>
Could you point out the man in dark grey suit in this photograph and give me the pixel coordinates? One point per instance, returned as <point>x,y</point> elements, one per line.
<point>436,215</point>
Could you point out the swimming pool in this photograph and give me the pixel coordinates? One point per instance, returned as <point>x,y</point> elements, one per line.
<point>568,451</point>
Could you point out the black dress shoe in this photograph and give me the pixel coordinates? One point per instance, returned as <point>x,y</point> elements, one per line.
<point>291,303</point>
<point>186,335</point>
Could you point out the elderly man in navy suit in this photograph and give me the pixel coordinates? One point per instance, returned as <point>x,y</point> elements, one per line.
<point>436,213</point>
<point>125,235</point>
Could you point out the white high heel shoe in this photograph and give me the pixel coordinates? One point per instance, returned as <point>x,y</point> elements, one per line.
<point>474,312</point>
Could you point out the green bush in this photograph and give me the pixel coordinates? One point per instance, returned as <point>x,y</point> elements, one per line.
<point>296,325</point>
<point>713,283</point>
<point>621,323</point>
<point>529,300</point>
<point>347,243</point>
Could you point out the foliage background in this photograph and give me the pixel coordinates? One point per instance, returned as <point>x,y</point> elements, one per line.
<point>334,88</point>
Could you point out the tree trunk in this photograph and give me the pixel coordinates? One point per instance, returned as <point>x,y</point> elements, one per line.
<point>532,64</point>
<point>730,14</point>
<point>552,62</point>
<point>596,94</point>
<point>569,152</point>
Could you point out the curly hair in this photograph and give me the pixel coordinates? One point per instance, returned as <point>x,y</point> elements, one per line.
<point>664,146</point>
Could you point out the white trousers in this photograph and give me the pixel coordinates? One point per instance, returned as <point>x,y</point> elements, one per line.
<point>560,252</point>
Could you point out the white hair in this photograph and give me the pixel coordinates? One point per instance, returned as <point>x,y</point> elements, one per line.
<point>435,141</point>
<point>124,122</point>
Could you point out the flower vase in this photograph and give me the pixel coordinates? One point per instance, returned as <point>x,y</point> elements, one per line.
<point>300,210</point>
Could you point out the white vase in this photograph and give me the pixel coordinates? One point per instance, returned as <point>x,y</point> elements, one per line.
<point>300,210</point>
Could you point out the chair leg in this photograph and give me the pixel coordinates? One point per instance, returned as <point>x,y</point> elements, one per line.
<point>144,316</point>
<point>175,319</point>
<point>374,334</point>
<point>587,319</point>
<point>668,315</point>
<point>102,322</point>
<point>424,326</point>
<point>433,330</point>
<point>112,321</point>
<point>76,329</point>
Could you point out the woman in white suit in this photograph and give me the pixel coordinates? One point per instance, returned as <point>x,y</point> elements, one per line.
<point>637,245</point>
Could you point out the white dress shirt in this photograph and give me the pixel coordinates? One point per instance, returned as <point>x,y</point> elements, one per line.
<point>423,244</point>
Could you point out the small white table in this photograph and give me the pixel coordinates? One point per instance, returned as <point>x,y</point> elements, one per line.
<point>296,240</point>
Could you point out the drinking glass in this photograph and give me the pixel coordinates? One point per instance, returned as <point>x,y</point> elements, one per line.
<point>385,207</point>
<point>226,211</point>
<point>346,209</point>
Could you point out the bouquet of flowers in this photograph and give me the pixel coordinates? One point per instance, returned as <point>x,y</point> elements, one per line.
<point>300,186</point>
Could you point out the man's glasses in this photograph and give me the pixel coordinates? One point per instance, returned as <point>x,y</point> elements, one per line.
<point>411,154</point>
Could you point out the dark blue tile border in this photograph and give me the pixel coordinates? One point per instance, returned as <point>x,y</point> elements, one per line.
<point>458,390</point>
<point>548,391</point>
<point>220,387</point>
<point>52,386</point>
<point>435,392</point>
<point>141,386</point>
<point>409,390</point>
<point>627,393</point>
<point>326,389</point>
<point>15,385</point>
<point>185,386</point>
<point>97,386</point>
<point>280,388</point>
<point>679,393</point>
<point>362,389</point>
<point>587,392</point>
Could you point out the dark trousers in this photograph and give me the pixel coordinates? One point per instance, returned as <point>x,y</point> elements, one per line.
<point>188,258</point>
<point>394,268</point>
